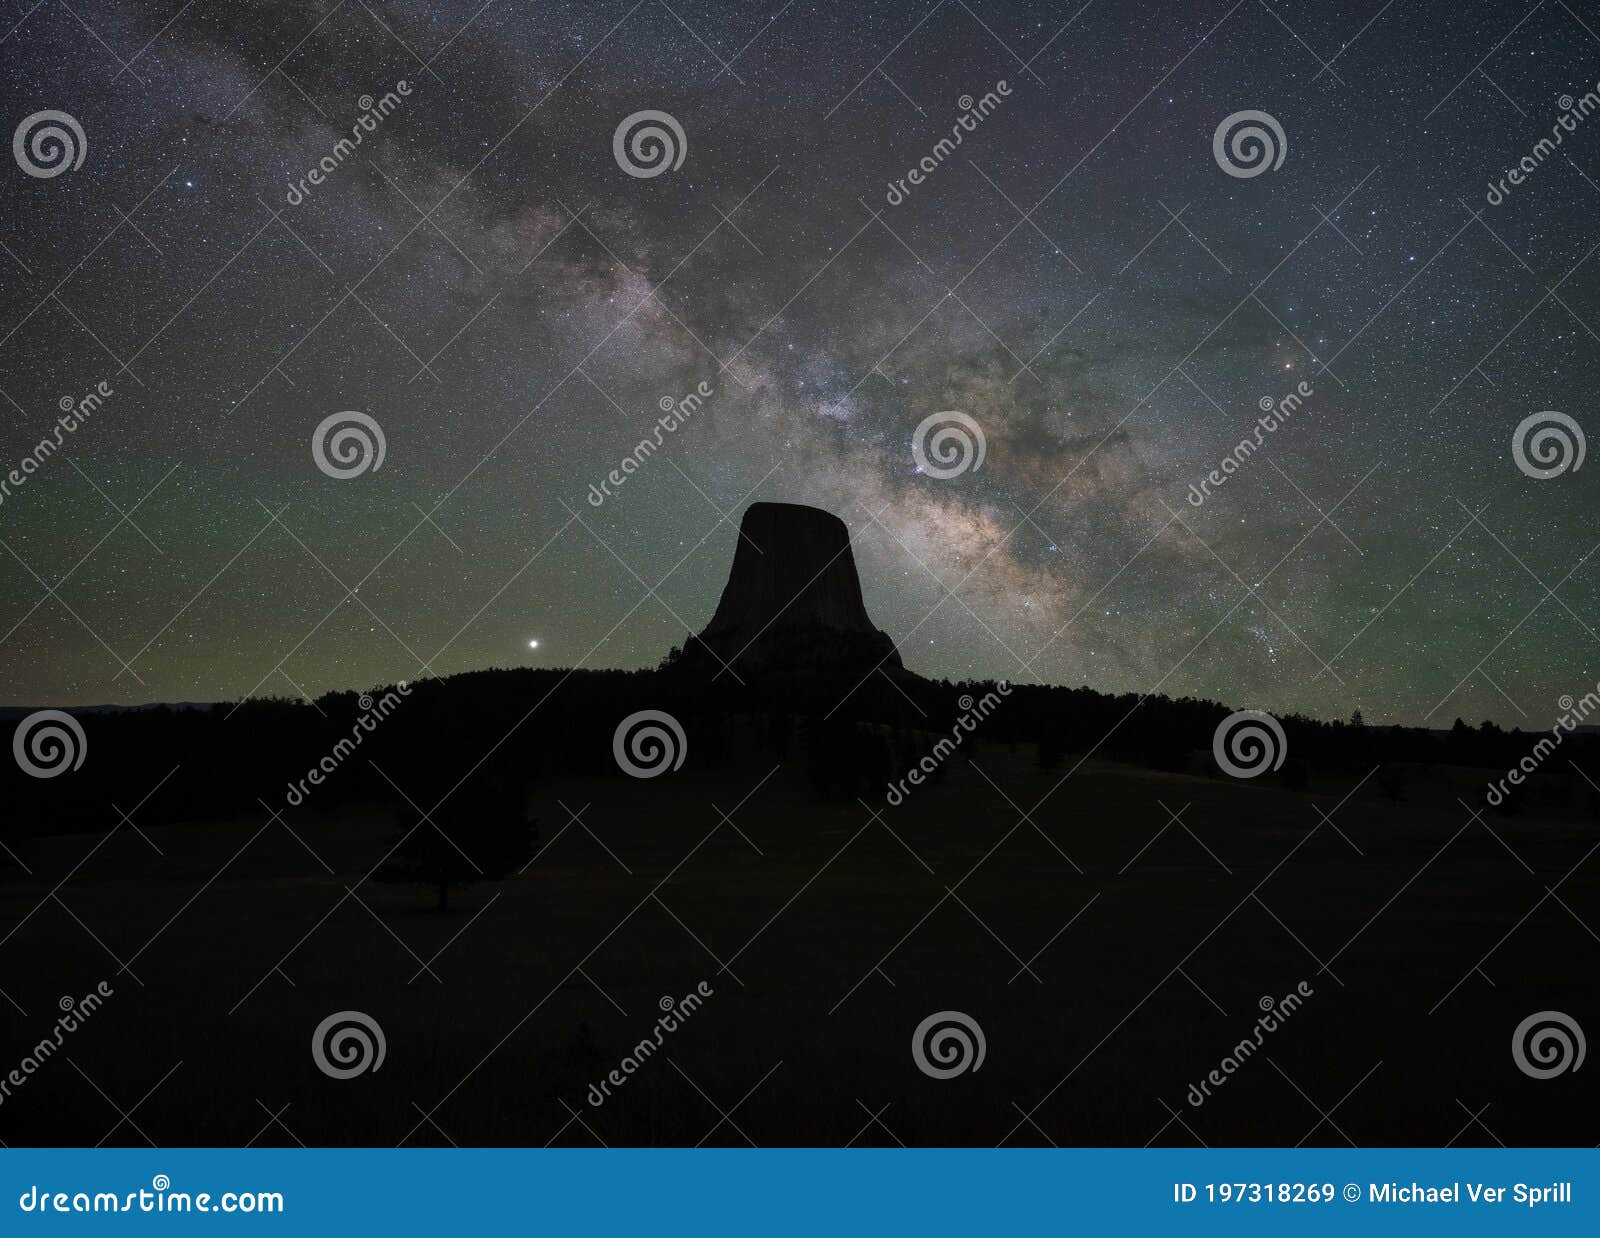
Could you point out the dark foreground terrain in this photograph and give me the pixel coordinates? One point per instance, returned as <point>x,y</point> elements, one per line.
<point>1114,947</point>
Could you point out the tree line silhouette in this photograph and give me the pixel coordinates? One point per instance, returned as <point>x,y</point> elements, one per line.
<point>481,741</point>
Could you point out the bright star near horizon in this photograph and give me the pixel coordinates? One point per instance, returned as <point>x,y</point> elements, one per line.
<point>840,421</point>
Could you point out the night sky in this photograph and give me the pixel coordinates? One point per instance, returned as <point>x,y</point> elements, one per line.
<point>516,342</point>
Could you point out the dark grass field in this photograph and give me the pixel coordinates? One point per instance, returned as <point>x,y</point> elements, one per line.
<point>1111,956</point>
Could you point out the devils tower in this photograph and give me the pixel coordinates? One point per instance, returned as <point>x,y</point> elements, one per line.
<point>792,601</point>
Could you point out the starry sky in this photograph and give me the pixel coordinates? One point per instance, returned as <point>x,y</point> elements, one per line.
<point>1081,277</point>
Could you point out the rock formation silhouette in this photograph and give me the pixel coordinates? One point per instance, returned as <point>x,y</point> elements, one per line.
<point>792,602</point>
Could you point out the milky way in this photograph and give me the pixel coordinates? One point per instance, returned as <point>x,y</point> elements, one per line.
<point>1084,275</point>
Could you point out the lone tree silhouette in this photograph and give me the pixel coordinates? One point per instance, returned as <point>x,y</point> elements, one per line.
<point>482,832</point>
